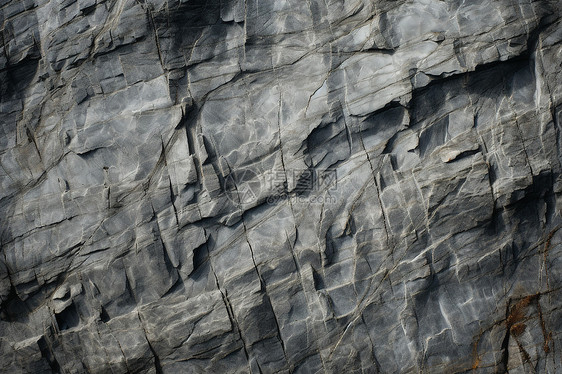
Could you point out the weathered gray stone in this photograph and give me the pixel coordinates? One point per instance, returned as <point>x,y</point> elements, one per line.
<point>359,186</point>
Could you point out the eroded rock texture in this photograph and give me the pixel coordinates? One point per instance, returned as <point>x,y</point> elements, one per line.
<point>131,131</point>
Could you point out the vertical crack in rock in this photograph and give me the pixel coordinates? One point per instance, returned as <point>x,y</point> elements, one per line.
<point>47,354</point>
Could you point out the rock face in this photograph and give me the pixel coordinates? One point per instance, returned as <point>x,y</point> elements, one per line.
<point>265,186</point>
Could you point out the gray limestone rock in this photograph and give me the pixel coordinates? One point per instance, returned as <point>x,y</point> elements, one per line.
<point>260,186</point>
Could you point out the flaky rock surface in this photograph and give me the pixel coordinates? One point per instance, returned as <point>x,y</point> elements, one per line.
<point>131,131</point>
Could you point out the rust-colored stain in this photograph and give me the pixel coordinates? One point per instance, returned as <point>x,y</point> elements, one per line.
<point>545,346</point>
<point>476,360</point>
<point>517,312</point>
<point>517,329</point>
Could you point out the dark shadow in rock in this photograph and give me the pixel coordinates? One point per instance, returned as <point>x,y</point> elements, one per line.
<point>14,79</point>
<point>200,260</point>
<point>68,318</point>
<point>180,27</point>
<point>47,353</point>
<point>13,309</point>
<point>433,136</point>
<point>104,317</point>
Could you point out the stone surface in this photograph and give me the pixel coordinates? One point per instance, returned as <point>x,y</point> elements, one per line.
<point>360,186</point>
